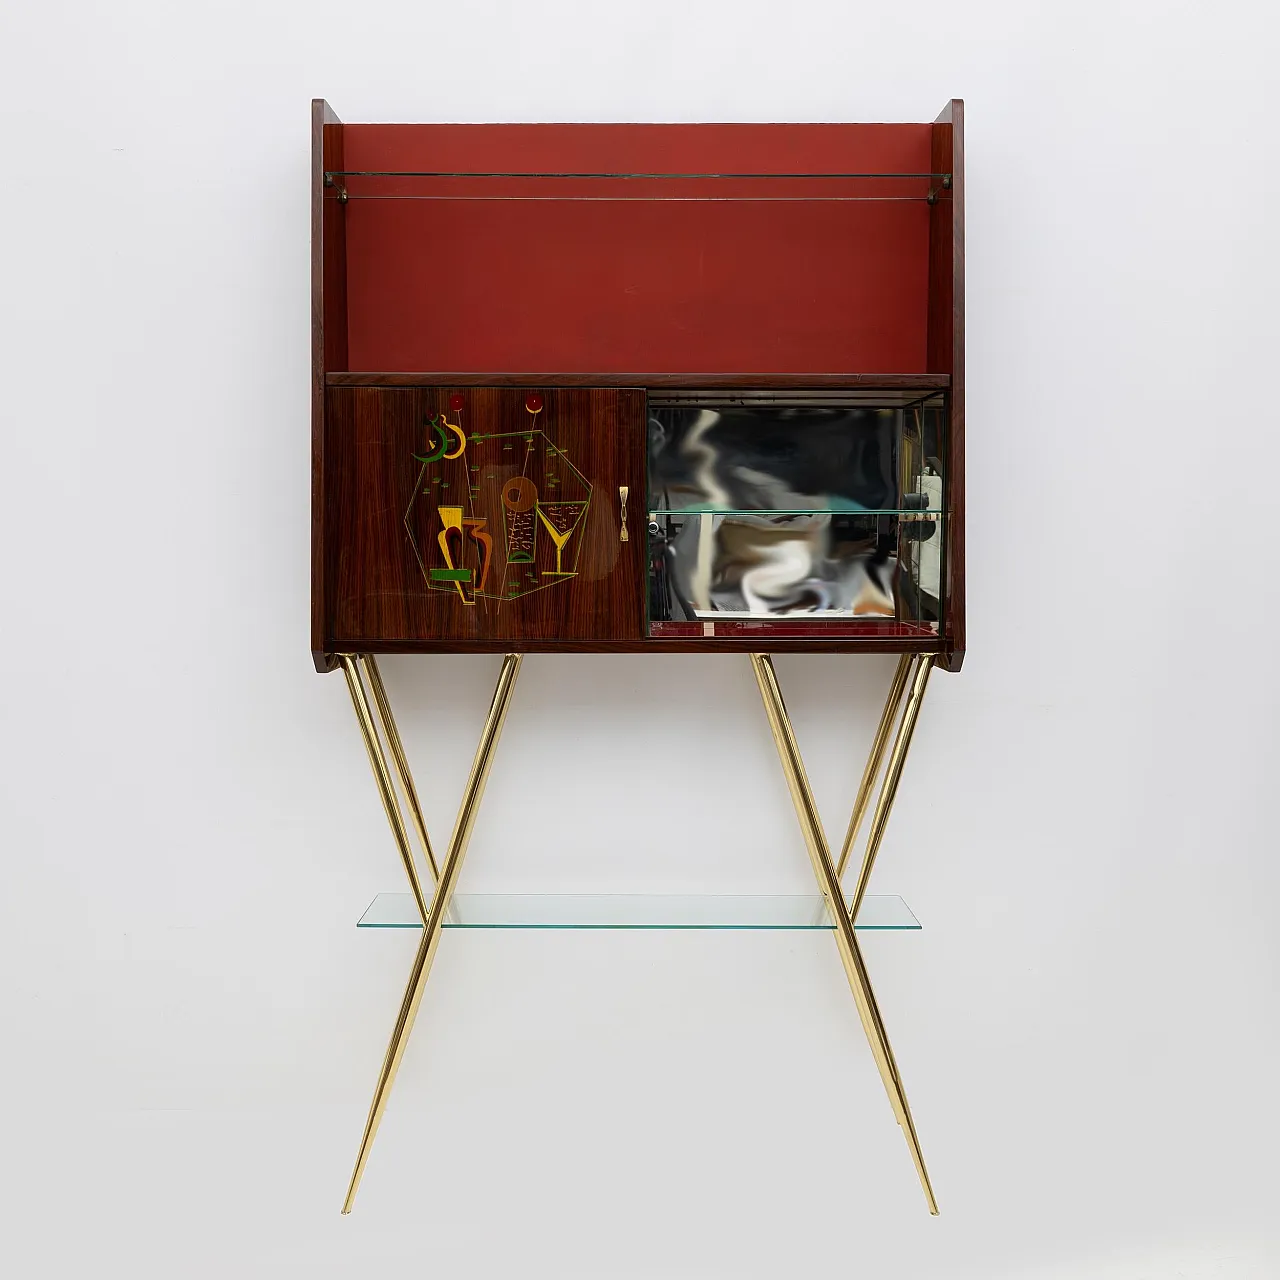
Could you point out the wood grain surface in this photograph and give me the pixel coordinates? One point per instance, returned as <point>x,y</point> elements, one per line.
<point>946,355</point>
<point>378,561</point>
<point>328,337</point>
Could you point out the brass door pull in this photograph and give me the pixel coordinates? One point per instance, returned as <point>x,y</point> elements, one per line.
<point>623,490</point>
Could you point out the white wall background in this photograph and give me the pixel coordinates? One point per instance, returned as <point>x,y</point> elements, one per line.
<point>191,1025</point>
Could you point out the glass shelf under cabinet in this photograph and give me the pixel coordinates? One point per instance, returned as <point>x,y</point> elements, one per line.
<point>637,911</point>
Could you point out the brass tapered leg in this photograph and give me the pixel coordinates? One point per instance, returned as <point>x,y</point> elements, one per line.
<point>846,940</point>
<point>471,797</point>
<point>398,758</point>
<point>382,775</point>
<point>901,745</point>
<point>875,759</point>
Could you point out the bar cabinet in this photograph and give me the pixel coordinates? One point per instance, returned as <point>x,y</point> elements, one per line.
<point>638,388</point>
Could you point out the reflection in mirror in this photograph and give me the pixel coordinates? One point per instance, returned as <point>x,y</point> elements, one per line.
<point>795,512</point>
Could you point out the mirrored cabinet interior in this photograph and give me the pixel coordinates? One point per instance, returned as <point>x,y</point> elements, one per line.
<point>790,515</point>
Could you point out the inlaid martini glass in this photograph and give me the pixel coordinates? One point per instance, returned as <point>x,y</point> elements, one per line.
<point>560,520</point>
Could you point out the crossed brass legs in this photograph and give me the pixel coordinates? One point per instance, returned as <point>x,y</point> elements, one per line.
<point>433,914</point>
<point>897,758</point>
<point>829,881</point>
<point>828,875</point>
<point>382,774</point>
<point>397,755</point>
<point>875,759</point>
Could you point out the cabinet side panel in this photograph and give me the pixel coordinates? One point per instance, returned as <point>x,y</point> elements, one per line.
<point>946,355</point>
<point>328,339</point>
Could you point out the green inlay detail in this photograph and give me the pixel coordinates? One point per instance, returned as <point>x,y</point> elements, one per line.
<point>450,575</point>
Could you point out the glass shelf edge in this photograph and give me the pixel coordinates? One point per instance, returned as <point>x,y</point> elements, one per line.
<point>797,511</point>
<point>649,912</point>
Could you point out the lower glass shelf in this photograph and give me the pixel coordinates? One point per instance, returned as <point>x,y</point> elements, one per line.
<point>635,911</point>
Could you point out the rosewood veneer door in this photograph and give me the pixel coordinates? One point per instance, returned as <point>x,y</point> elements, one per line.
<point>456,514</point>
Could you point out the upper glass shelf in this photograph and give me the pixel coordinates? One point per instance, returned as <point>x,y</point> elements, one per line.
<point>636,911</point>
<point>429,184</point>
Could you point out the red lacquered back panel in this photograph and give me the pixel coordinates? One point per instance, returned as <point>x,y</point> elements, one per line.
<point>618,285</point>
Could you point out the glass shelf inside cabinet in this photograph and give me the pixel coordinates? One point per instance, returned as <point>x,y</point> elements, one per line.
<point>636,911</point>
<point>634,187</point>
<point>768,513</point>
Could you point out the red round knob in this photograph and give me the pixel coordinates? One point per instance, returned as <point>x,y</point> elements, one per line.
<point>533,402</point>
<point>456,402</point>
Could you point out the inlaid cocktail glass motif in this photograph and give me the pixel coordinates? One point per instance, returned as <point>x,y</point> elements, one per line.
<point>494,515</point>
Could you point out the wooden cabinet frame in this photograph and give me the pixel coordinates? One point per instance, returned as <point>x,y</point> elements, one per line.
<point>521,277</point>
